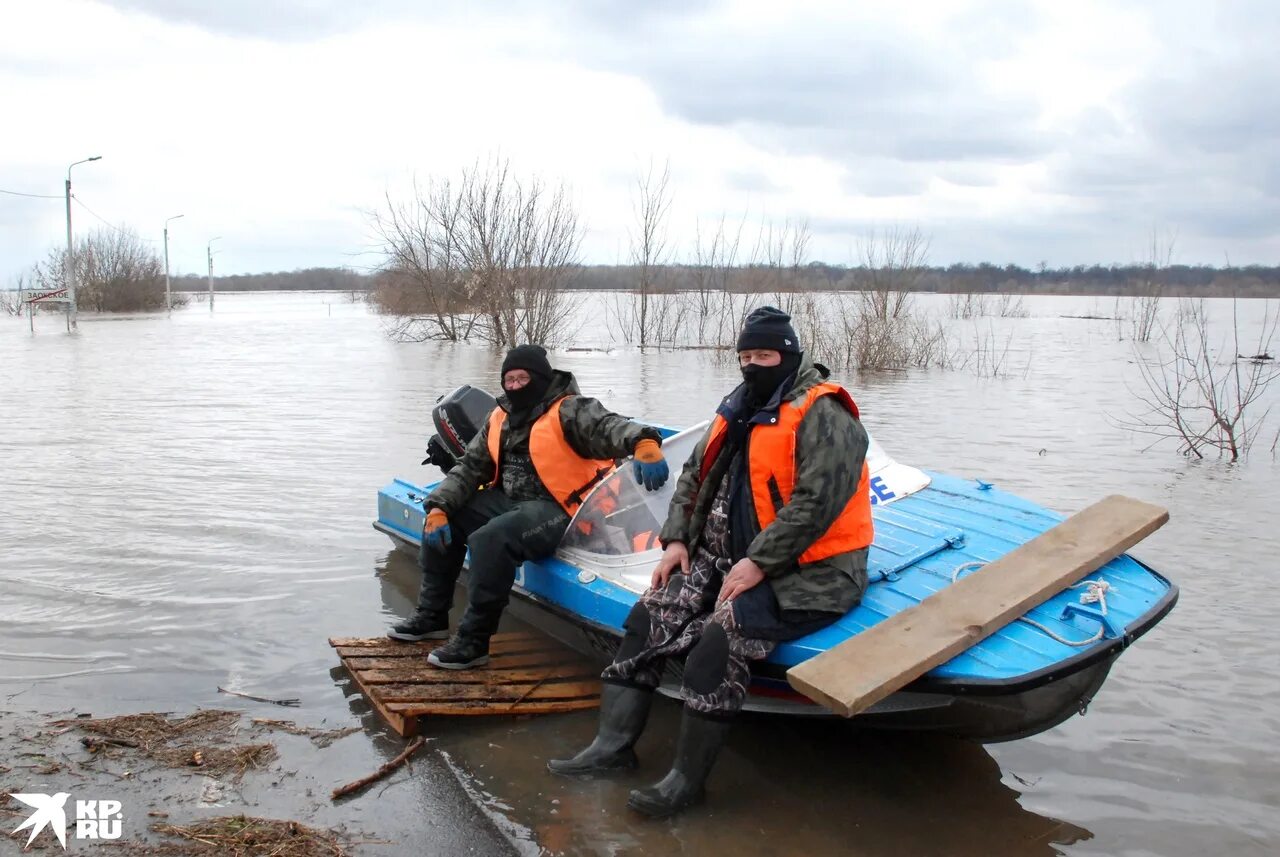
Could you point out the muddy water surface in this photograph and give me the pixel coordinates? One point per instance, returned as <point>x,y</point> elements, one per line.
<point>185,504</point>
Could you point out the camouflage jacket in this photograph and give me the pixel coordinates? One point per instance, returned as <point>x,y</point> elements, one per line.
<point>591,429</point>
<point>831,446</point>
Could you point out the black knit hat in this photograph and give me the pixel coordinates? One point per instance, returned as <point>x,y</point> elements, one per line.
<point>769,327</point>
<point>531,358</point>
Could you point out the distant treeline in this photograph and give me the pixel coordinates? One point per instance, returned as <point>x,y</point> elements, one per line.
<point>306,280</point>
<point>1253,281</point>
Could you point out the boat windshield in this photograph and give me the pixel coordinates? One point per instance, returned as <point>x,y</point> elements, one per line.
<point>621,517</point>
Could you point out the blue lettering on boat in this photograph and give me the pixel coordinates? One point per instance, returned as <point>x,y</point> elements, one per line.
<point>880,492</point>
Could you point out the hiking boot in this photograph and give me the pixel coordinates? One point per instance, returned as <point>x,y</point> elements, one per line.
<point>420,626</point>
<point>460,653</point>
<point>623,713</point>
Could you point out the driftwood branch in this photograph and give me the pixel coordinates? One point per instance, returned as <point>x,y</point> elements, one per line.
<point>285,702</point>
<point>414,746</point>
<point>95,743</point>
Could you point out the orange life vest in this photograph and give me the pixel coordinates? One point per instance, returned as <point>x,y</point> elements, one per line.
<point>566,475</point>
<point>772,466</point>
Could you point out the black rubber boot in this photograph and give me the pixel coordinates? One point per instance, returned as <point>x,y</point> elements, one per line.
<point>624,709</point>
<point>700,741</point>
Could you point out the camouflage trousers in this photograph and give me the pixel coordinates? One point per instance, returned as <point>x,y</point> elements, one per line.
<point>685,619</point>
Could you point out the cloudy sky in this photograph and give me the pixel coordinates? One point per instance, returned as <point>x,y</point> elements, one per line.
<point>1006,131</point>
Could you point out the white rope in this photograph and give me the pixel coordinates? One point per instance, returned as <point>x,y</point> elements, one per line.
<point>1096,593</point>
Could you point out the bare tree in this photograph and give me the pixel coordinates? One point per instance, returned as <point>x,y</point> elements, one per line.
<point>713,277</point>
<point>1202,396</point>
<point>12,300</point>
<point>650,207</point>
<point>422,283</point>
<point>777,261</point>
<point>1149,286</point>
<point>486,257</point>
<point>893,262</point>
<point>876,327</point>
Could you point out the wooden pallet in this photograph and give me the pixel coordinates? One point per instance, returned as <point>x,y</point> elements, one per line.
<point>527,673</point>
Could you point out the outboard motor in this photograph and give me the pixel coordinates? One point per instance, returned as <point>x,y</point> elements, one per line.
<point>458,417</point>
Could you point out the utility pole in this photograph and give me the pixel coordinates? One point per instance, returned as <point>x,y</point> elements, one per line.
<point>69,269</point>
<point>168,301</point>
<point>209,249</point>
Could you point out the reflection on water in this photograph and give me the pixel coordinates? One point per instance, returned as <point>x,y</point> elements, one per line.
<point>185,503</point>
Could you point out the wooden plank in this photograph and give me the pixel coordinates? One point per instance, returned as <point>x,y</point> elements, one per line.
<point>390,649</point>
<point>498,667</point>
<point>495,643</point>
<point>506,661</point>
<point>491,693</point>
<point>413,710</point>
<point>405,727</point>
<point>426,674</point>
<point>884,658</point>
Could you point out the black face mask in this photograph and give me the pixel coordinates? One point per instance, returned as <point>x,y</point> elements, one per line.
<point>529,395</point>
<point>763,381</point>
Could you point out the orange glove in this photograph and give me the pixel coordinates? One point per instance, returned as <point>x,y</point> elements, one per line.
<point>648,451</point>
<point>436,531</point>
<point>649,468</point>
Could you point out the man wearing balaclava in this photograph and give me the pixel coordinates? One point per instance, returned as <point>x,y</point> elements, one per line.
<point>543,449</point>
<point>765,541</point>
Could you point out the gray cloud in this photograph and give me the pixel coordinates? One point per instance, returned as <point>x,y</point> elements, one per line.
<point>1193,145</point>
<point>750,182</point>
<point>1197,147</point>
<point>833,91</point>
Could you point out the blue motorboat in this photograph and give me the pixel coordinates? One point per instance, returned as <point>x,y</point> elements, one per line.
<point>930,530</point>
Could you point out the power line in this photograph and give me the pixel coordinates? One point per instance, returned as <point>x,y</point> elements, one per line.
<point>32,195</point>
<point>108,224</point>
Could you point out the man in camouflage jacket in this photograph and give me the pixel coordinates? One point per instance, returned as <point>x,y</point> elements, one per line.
<point>515,517</point>
<point>727,589</point>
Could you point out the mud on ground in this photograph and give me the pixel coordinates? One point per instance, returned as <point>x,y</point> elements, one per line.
<point>216,782</point>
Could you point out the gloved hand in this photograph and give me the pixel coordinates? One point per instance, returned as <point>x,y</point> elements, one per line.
<point>436,532</point>
<point>649,466</point>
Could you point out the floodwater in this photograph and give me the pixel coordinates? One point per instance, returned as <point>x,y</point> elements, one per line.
<point>185,503</point>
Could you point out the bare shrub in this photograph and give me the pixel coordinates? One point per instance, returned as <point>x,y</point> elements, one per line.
<point>12,300</point>
<point>1009,305</point>
<point>487,257</point>
<point>966,305</point>
<point>1202,395</point>
<point>839,329</point>
<point>116,271</point>
<point>1149,286</point>
<point>989,357</point>
<point>878,327</point>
